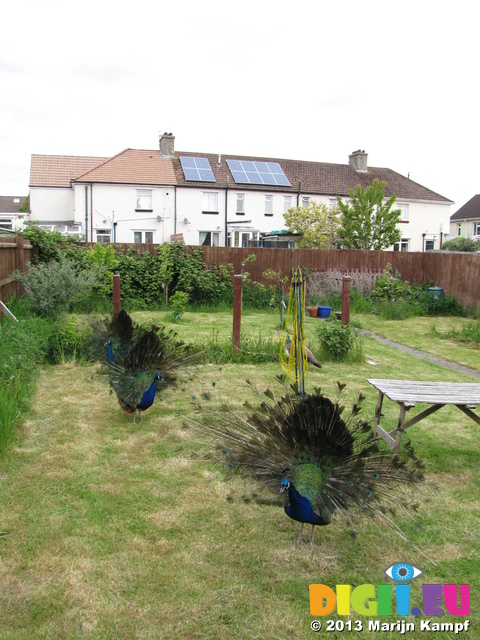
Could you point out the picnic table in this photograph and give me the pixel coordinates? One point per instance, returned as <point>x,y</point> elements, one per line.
<point>408,393</point>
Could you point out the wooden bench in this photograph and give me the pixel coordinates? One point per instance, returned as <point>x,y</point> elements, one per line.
<point>408,393</point>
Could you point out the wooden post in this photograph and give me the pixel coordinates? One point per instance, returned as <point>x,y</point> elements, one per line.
<point>237,310</point>
<point>116,294</point>
<point>346,299</point>
<point>20,253</point>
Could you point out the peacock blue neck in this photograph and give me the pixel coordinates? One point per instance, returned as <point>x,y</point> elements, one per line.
<point>149,395</point>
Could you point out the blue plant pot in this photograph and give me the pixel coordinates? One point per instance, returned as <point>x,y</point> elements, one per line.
<point>324,312</point>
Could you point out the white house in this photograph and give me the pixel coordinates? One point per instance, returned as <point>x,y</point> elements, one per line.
<point>11,218</point>
<point>466,221</point>
<point>217,199</point>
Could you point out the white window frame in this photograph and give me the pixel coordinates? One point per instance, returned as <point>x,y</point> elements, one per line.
<point>143,200</point>
<point>6,224</point>
<point>332,203</point>
<point>404,216</point>
<point>146,235</point>
<point>305,201</point>
<point>240,208</point>
<point>403,245</point>
<point>459,229</point>
<point>269,205</point>
<point>210,202</point>
<point>287,203</point>
<point>103,235</point>
<point>209,238</point>
<point>476,228</point>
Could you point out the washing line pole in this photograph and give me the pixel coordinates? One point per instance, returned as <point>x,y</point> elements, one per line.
<point>300,374</point>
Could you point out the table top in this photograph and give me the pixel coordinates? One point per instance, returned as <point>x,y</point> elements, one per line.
<point>413,391</point>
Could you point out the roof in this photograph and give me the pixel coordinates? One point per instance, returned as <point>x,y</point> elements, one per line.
<point>315,178</point>
<point>147,167</point>
<point>470,209</point>
<point>58,171</point>
<point>133,166</point>
<point>11,204</point>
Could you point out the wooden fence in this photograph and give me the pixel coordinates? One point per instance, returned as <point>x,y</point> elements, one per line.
<point>14,254</point>
<point>457,273</point>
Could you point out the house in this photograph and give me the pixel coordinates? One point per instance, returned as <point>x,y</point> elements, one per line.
<point>11,216</point>
<point>212,199</point>
<point>466,221</point>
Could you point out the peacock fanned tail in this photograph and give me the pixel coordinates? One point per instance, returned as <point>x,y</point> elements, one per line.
<point>333,458</point>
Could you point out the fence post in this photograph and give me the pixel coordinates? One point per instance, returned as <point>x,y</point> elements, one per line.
<point>20,253</point>
<point>237,310</point>
<point>346,299</point>
<point>116,294</point>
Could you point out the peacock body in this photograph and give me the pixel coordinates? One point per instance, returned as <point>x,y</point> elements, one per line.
<point>323,463</point>
<point>139,360</point>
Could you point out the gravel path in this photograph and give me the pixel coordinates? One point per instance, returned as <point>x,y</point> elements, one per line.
<point>421,354</point>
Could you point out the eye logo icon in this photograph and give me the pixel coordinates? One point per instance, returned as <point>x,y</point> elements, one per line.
<point>402,572</point>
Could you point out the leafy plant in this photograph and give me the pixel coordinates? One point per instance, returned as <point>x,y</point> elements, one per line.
<point>461,244</point>
<point>179,302</point>
<point>336,340</point>
<point>57,287</point>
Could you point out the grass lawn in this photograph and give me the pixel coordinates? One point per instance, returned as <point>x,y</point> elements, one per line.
<point>110,530</point>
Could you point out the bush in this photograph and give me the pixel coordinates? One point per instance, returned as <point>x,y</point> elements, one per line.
<point>57,287</point>
<point>179,302</point>
<point>461,244</point>
<point>336,340</point>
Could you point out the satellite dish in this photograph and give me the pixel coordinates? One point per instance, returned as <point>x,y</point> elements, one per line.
<point>159,218</point>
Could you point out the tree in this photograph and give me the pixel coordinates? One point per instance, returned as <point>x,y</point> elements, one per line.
<point>318,223</point>
<point>367,221</point>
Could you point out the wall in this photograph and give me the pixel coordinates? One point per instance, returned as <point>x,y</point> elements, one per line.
<point>51,204</point>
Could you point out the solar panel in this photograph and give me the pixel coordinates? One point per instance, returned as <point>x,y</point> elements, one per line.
<point>257,172</point>
<point>197,169</point>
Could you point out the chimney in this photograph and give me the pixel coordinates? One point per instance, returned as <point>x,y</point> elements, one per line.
<point>358,159</point>
<point>167,146</point>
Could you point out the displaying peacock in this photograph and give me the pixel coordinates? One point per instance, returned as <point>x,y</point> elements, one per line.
<point>139,359</point>
<point>302,446</point>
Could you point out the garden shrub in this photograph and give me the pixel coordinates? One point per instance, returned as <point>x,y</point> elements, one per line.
<point>57,286</point>
<point>336,340</point>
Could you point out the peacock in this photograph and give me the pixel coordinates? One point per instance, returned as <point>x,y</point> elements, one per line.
<point>302,446</point>
<point>139,359</point>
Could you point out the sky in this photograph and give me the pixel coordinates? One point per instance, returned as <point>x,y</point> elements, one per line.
<point>307,80</point>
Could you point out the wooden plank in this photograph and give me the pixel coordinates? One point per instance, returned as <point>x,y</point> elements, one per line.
<point>410,391</point>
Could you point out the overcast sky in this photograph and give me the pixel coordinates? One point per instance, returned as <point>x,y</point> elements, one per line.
<point>303,79</point>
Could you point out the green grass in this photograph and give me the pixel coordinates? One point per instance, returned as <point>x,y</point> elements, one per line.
<point>110,530</point>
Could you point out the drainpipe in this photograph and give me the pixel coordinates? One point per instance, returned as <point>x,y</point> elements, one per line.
<point>226,205</point>
<point>299,191</point>
<point>91,213</point>
<point>86,213</point>
<point>174,209</point>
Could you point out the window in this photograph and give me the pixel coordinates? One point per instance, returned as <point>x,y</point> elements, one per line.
<point>332,203</point>
<point>305,201</point>
<point>6,223</point>
<point>144,200</point>
<point>240,204</point>
<point>459,230</point>
<point>402,245</point>
<point>476,228</point>
<point>287,203</point>
<point>209,238</point>
<point>140,237</point>
<point>429,245</point>
<point>210,202</point>
<point>242,238</point>
<point>104,235</point>
<point>269,205</point>
<point>403,212</point>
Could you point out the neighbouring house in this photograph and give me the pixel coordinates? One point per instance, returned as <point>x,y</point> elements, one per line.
<point>11,216</point>
<point>466,221</point>
<point>212,199</point>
